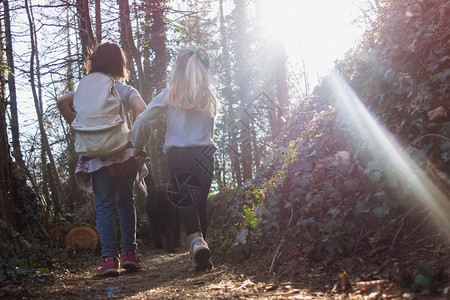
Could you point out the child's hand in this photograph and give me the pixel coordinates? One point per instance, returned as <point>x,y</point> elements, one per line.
<point>139,155</point>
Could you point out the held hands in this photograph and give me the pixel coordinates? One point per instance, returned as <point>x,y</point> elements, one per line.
<point>139,155</point>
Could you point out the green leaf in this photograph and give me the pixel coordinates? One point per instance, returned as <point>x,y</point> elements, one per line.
<point>308,249</point>
<point>305,223</point>
<point>334,212</point>
<point>381,211</point>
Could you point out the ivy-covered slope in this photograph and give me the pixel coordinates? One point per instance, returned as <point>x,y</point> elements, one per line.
<point>350,176</point>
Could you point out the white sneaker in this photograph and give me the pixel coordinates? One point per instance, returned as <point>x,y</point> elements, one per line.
<point>200,253</point>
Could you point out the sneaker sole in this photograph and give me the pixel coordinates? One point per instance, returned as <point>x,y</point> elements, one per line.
<point>202,260</point>
<point>109,273</point>
<point>130,266</point>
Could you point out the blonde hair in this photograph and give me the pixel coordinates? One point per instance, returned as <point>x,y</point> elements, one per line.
<point>189,85</point>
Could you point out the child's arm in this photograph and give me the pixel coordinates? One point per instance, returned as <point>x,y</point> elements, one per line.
<point>142,127</point>
<point>138,105</point>
<point>65,106</point>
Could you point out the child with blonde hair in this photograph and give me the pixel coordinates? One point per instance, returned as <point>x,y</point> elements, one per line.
<point>190,108</point>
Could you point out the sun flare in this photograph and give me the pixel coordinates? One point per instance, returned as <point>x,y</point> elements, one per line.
<point>402,169</point>
<point>314,31</point>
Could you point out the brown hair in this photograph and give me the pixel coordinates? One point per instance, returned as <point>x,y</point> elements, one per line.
<point>110,59</point>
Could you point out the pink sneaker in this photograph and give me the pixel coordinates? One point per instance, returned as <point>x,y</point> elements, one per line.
<point>130,261</point>
<point>109,267</point>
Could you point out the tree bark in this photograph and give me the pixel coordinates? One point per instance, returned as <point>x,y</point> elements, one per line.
<point>158,42</point>
<point>127,37</point>
<point>243,85</point>
<point>98,21</point>
<point>282,104</point>
<point>39,113</point>
<point>13,243</point>
<point>86,34</point>
<point>233,149</point>
<point>71,157</point>
<point>7,213</point>
<point>155,32</point>
<point>14,122</point>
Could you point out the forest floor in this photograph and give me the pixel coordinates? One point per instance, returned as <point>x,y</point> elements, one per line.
<point>166,276</point>
<point>267,269</point>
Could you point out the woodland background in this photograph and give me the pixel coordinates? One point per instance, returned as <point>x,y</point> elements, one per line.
<point>308,170</point>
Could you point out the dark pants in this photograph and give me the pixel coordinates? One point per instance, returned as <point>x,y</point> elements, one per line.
<point>191,171</point>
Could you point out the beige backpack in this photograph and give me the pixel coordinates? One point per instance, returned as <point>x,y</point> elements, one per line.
<point>100,124</point>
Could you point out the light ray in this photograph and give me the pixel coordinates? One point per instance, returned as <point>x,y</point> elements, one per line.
<point>407,174</point>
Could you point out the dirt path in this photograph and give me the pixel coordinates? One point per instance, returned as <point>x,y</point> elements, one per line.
<point>165,276</point>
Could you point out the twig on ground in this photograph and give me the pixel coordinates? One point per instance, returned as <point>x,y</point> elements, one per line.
<point>246,283</point>
<point>276,255</point>
<point>417,227</point>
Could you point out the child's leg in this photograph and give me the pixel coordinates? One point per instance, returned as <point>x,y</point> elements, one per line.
<point>126,208</point>
<point>104,198</point>
<point>199,163</point>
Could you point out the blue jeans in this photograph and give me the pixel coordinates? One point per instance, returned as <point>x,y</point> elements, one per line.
<point>111,192</point>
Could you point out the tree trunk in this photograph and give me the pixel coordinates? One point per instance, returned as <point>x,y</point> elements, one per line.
<point>7,213</point>
<point>282,104</point>
<point>71,157</point>
<point>146,52</point>
<point>98,21</point>
<point>243,85</point>
<point>82,236</point>
<point>127,37</point>
<point>87,39</point>
<point>14,123</point>
<point>233,149</point>
<point>78,230</point>
<point>158,44</point>
<point>39,113</point>
<point>158,72</point>
<point>13,243</point>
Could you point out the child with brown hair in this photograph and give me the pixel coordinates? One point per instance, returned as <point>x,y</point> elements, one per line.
<point>109,176</point>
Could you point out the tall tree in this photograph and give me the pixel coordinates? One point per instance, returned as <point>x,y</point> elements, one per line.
<point>158,44</point>
<point>98,21</point>
<point>71,157</point>
<point>14,122</point>
<point>243,86</point>
<point>7,213</point>
<point>230,100</point>
<point>127,37</point>
<point>86,34</point>
<point>38,106</point>
<point>155,33</point>
<point>281,104</point>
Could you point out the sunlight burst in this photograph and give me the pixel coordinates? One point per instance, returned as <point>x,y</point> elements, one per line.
<point>403,171</point>
<point>316,32</point>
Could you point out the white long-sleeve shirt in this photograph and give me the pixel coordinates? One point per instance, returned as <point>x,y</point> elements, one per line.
<point>185,128</point>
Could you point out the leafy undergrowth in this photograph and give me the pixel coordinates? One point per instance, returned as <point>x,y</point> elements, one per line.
<point>272,268</point>
<point>359,184</point>
<point>329,213</point>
